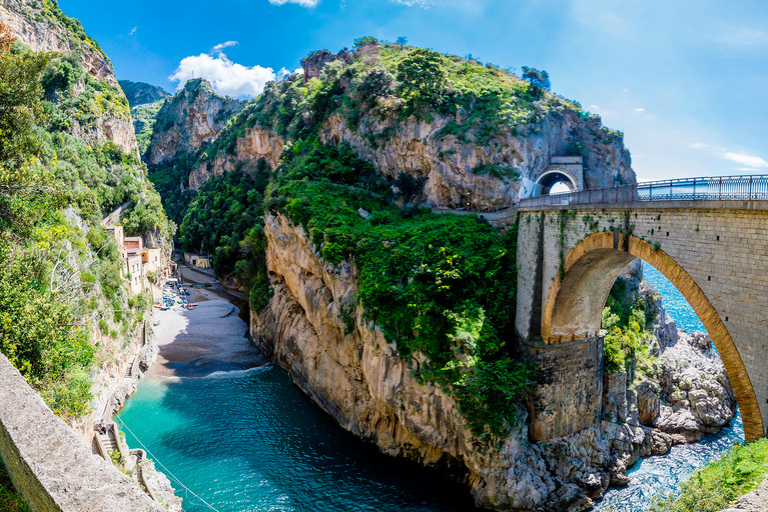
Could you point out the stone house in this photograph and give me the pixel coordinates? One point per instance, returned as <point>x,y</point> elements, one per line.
<point>138,261</point>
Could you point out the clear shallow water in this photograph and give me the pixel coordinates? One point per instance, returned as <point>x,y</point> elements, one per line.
<point>665,472</point>
<point>248,441</point>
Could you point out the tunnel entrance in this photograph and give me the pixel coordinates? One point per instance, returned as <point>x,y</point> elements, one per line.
<point>554,182</point>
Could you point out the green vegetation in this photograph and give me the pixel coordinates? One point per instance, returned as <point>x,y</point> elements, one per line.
<point>628,322</point>
<point>59,270</point>
<point>10,501</point>
<point>719,484</point>
<point>379,82</point>
<point>144,120</point>
<point>441,287</point>
<point>49,11</point>
<point>140,93</point>
<point>226,220</point>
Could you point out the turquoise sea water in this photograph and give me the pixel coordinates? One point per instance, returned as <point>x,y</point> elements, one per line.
<point>665,472</point>
<point>251,441</point>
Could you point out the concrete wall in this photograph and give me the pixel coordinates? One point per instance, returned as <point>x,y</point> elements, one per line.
<point>50,466</point>
<point>716,253</point>
<point>569,397</point>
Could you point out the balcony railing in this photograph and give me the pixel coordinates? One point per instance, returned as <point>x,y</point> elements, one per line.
<point>719,188</point>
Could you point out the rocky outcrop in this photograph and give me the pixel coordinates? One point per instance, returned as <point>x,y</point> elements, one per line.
<point>698,397</point>
<point>140,93</point>
<point>688,393</point>
<point>194,116</point>
<point>46,28</point>
<point>755,501</point>
<point>255,145</point>
<point>358,379</point>
<point>418,149</point>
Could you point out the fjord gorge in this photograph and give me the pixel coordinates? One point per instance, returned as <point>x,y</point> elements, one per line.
<point>362,217</point>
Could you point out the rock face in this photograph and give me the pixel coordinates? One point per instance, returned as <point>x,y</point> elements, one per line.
<point>44,28</point>
<point>698,396</point>
<point>195,115</point>
<point>140,93</point>
<point>755,501</point>
<point>418,149</point>
<point>370,391</point>
<point>253,146</point>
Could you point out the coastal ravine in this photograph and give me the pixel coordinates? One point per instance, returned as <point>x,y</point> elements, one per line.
<point>664,473</point>
<point>237,432</point>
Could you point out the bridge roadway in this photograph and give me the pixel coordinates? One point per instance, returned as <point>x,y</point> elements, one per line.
<point>570,252</point>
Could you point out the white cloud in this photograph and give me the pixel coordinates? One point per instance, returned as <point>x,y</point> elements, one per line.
<point>625,90</point>
<point>133,30</point>
<point>742,38</point>
<point>697,145</point>
<point>754,162</point>
<point>219,47</point>
<point>639,110</point>
<point>594,107</point>
<point>226,77</point>
<point>303,3</point>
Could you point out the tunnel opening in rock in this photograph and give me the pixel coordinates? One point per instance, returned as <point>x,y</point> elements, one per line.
<point>554,182</point>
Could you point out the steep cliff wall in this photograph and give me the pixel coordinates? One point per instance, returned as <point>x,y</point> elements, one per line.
<point>41,25</point>
<point>420,149</point>
<point>195,115</point>
<point>484,138</point>
<point>104,115</point>
<point>358,378</point>
<point>255,144</point>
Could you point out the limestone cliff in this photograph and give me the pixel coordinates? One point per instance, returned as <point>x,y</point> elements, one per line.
<point>357,377</point>
<point>42,26</point>
<point>255,144</point>
<point>140,93</point>
<point>486,150</point>
<point>419,149</point>
<point>194,116</point>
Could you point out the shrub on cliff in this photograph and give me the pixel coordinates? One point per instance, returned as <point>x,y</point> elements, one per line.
<point>441,287</point>
<point>717,485</point>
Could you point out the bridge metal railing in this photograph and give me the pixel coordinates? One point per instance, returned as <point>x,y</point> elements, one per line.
<point>747,187</point>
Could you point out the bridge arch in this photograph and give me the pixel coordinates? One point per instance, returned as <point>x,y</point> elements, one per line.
<point>574,305</point>
<point>550,178</point>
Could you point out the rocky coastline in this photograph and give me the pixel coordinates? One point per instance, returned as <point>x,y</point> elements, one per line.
<point>373,394</point>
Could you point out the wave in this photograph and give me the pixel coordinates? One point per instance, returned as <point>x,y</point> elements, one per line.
<point>235,373</point>
<point>221,374</point>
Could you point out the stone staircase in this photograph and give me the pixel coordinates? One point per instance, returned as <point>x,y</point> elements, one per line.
<point>108,440</point>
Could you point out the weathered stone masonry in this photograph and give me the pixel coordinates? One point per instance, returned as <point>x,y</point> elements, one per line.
<point>715,252</point>
<point>50,466</point>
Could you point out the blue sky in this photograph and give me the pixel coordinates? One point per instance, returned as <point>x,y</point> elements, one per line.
<point>687,81</point>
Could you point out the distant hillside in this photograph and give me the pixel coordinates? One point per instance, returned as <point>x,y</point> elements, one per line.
<point>140,93</point>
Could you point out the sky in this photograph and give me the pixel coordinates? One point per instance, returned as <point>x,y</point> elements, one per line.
<point>685,80</point>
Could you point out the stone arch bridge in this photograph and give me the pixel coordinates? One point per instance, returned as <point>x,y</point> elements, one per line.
<point>711,243</point>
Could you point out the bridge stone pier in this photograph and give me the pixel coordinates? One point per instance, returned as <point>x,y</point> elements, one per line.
<point>715,252</point>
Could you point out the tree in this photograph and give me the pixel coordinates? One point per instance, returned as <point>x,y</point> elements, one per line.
<point>422,77</point>
<point>365,41</point>
<point>539,79</point>
<point>402,41</point>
